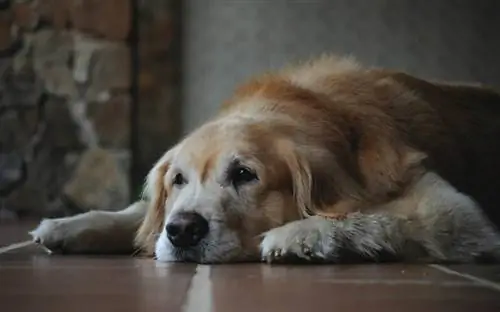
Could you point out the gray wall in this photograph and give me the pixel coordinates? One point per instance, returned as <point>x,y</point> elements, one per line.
<point>227,41</point>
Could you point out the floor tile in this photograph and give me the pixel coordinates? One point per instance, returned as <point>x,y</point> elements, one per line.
<point>488,272</point>
<point>79,284</point>
<point>14,232</point>
<point>350,288</point>
<point>32,280</point>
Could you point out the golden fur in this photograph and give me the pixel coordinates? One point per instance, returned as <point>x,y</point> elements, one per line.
<point>330,138</point>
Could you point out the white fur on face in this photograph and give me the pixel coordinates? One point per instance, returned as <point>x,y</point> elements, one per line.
<point>220,245</point>
<point>211,201</point>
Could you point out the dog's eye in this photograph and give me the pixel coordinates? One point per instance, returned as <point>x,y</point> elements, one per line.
<point>179,179</point>
<point>241,175</point>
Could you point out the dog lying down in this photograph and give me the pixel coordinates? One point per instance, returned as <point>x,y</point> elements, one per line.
<point>325,161</point>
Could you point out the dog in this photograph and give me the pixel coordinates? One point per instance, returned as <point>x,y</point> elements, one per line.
<point>322,161</point>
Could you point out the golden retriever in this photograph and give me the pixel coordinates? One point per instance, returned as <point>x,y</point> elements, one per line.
<point>324,161</point>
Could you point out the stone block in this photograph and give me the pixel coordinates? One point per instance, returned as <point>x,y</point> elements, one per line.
<point>99,182</point>
<point>75,65</point>
<point>17,128</point>
<point>55,12</point>
<point>12,171</point>
<point>6,35</point>
<point>156,37</point>
<point>110,19</point>
<point>101,65</point>
<point>61,130</point>
<point>19,98</point>
<point>47,174</point>
<point>111,120</point>
<point>25,14</point>
<point>52,54</point>
<point>18,87</point>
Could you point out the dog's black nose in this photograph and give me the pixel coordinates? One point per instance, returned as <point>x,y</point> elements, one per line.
<point>186,229</point>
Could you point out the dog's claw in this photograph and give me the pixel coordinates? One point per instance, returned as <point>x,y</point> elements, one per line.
<point>269,258</point>
<point>273,256</point>
<point>307,251</point>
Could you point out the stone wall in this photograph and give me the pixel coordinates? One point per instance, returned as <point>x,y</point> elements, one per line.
<point>71,137</point>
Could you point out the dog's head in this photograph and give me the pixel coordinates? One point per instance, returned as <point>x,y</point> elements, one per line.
<point>215,193</point>
<point>275,155</point>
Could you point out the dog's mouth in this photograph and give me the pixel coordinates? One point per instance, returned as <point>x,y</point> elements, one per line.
<point>191,254</point>
<point>209,252</point>
<point>219,245</point>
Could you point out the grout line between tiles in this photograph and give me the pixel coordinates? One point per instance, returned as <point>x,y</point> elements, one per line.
<point>473,278</point>
<point>15,246</point>
<point>199,294</point>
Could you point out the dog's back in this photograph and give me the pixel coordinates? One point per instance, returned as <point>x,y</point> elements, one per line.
<point>457,126</point>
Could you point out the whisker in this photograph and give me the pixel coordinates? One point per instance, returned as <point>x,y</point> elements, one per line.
<point>218,220</point>
<point>136,252</point>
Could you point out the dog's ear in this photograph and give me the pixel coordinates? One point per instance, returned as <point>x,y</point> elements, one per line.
<point>155,193</point>
<point>301,177</point>
<point>386,163</point>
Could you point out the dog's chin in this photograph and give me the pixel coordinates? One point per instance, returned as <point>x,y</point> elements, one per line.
<point>208,251</point>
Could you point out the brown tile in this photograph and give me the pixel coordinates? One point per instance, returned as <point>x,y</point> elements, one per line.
<point>488,272</point>
<point>14,232</point>
<point>345,288</point>
<point>97,284</point>
<point>30,280</point>
<point>400,273</point>
<point>23,253</point>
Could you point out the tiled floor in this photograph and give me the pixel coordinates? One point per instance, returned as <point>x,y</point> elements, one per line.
<point>30,280</point>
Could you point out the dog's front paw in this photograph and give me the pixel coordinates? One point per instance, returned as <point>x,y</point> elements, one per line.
<point>54,234</point>
<point>305,240</point>
<point>68,235</point>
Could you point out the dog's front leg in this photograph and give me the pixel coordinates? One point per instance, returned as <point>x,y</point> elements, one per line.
<point>433,222</point>
<point>358,237</point>
<point>102,232</point>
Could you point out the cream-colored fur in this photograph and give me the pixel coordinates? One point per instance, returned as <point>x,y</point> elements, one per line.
<point>350,163</point>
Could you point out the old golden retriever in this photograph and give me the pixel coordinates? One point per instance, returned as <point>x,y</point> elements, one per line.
<point>323,161</point>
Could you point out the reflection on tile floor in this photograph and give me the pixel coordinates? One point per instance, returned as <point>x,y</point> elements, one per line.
<point>30,280</point>
<point>14,232</point>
